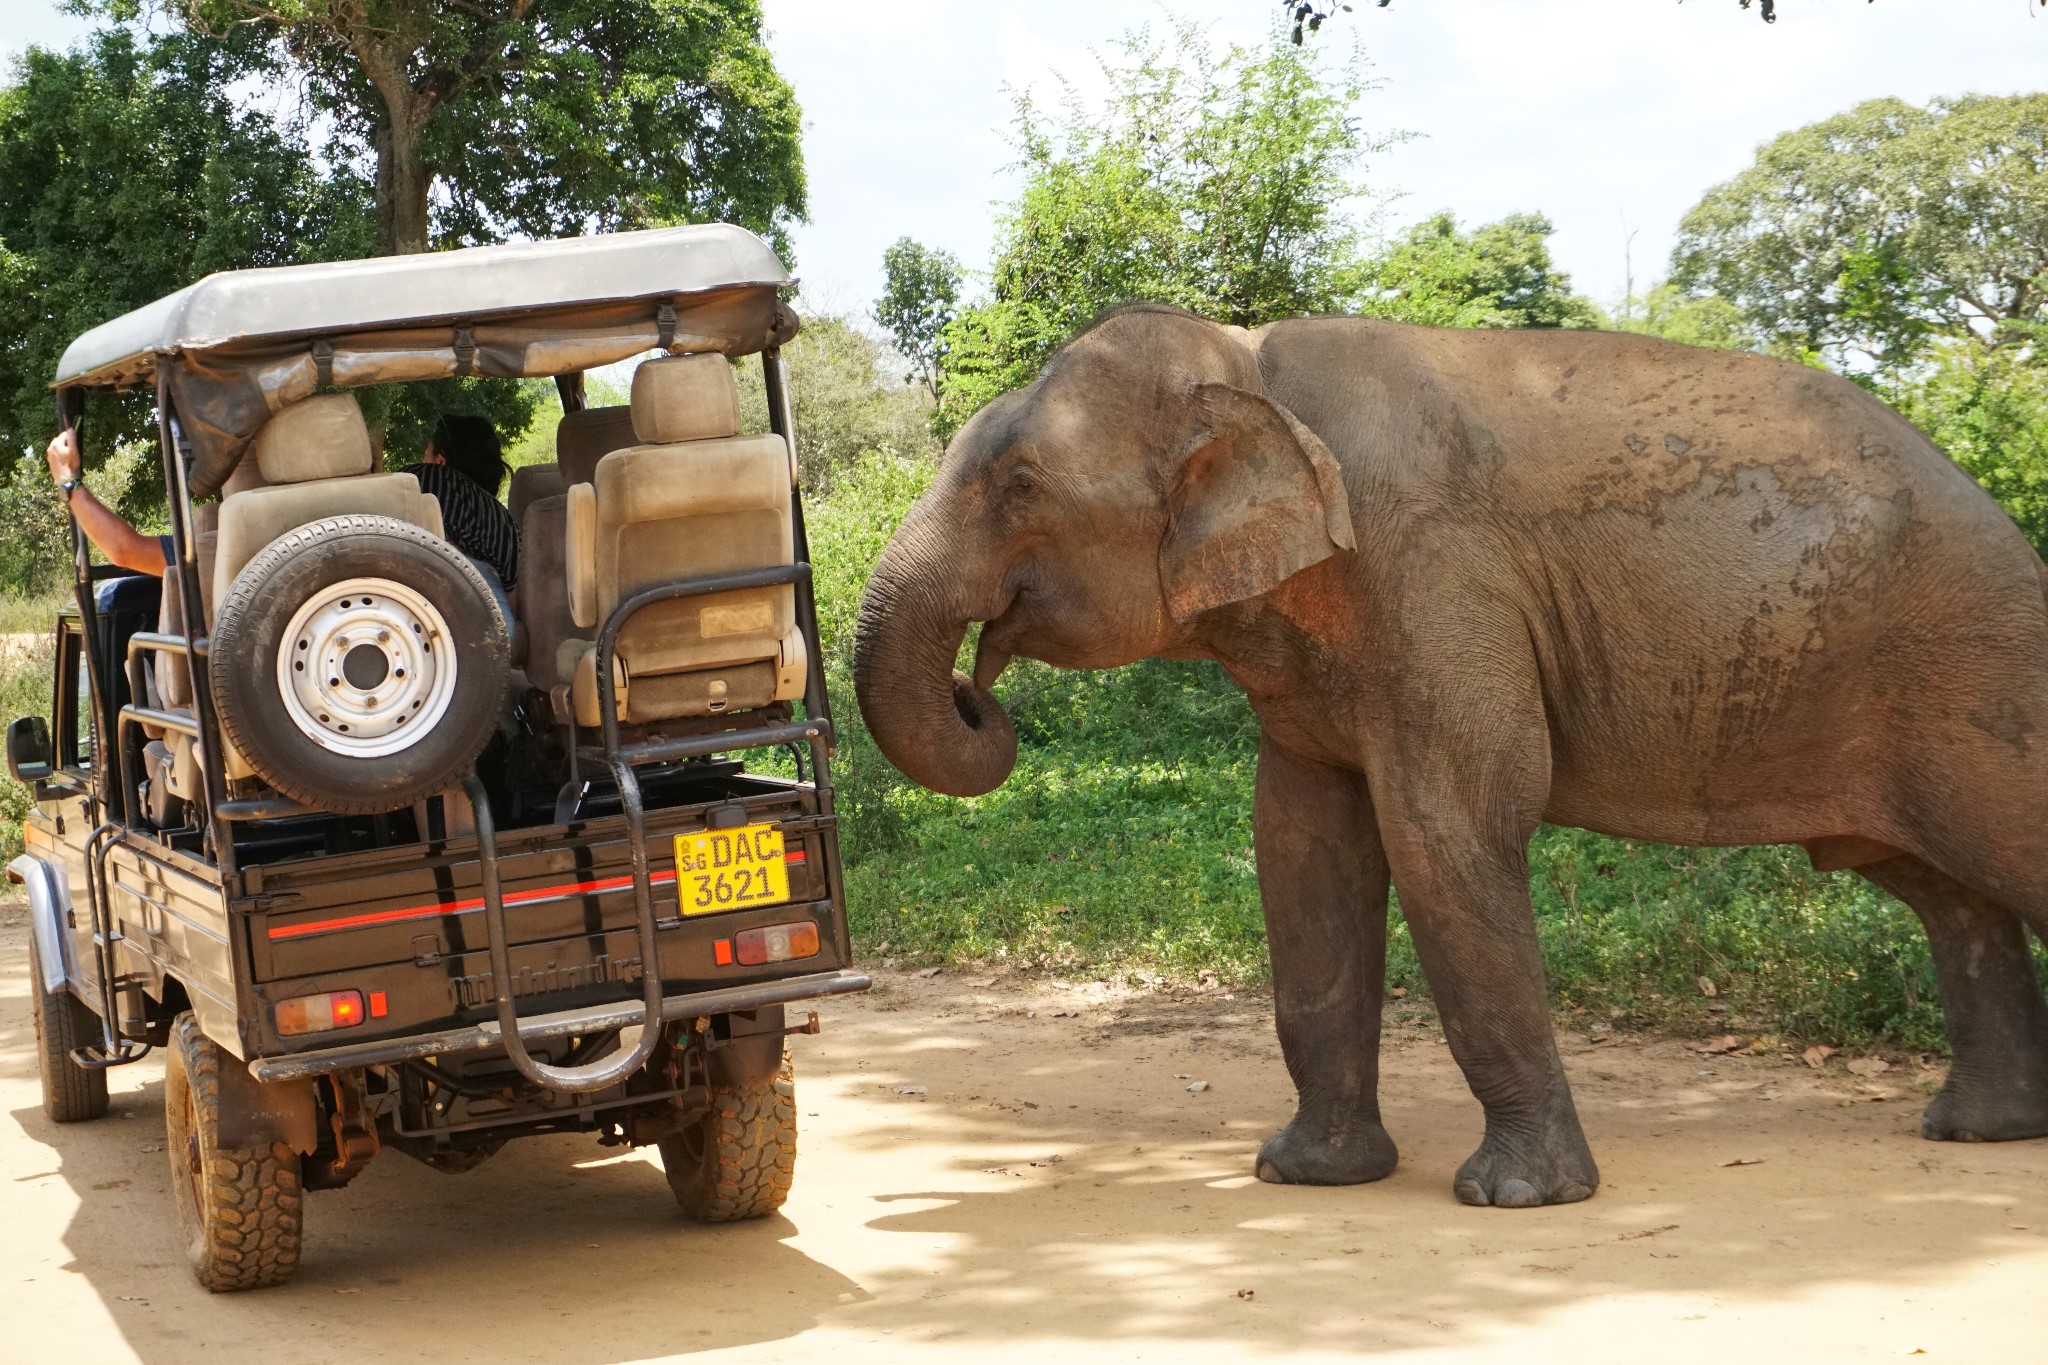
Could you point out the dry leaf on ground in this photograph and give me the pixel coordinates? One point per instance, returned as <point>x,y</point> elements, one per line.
<point>1817,1055</point>
<point>1869,1066</point>
<point>1713,1047</point>
<point>1745,1161</point>
<point>1197,1087</point>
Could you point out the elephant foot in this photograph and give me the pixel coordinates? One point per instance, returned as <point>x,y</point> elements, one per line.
<point>1525,1172</point>
<point>1352,1150</point>
<point>1977,1111</point>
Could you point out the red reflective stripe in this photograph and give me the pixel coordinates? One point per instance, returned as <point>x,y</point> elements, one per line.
<point>600,887</point>
<point>795,855</point>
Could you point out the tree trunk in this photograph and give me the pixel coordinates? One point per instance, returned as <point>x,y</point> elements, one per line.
<point>402,182</point>
<point>402,178</point>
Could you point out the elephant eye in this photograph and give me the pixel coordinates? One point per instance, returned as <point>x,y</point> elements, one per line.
<point>1023,479</point>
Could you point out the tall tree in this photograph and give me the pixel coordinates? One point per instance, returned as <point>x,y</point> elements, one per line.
<point>541,119</point>
<point>1220,183</point>
<point>1869,237</point>
<point>920,296</point>
<point>126,172</point>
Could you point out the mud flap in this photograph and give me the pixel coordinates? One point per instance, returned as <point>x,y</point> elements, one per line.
<point>254,1115</point>
<point>748,1047</point>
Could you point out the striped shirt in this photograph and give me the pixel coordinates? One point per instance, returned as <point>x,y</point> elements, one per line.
<point>475,522</point>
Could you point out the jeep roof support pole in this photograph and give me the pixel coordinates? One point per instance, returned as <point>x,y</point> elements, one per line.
<point>570,387</point>
<point>782,421</point>
<point>192,604</point>
<point>106,763</point>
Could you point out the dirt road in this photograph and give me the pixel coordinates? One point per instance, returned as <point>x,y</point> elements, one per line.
<point>1022,1173</point>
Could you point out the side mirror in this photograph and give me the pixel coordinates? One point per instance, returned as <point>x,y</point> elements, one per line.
<point>28,750</point>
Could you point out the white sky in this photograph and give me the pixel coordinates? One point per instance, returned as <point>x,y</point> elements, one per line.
<point>1595,112</point>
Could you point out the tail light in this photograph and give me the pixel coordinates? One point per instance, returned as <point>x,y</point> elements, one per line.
<point>320,1013</point>
<point>776,943</point>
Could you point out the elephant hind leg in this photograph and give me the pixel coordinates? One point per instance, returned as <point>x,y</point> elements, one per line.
<point>1991,1001</point>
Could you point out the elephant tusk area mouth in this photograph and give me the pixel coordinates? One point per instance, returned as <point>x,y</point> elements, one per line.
<point>989,661</point>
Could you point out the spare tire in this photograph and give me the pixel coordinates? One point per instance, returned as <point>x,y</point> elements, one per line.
<point>359,664</point>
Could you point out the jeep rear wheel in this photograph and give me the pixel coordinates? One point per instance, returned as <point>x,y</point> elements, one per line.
<point>71,1093</point>
<point>240,1209</point>
<point>739,1160</point>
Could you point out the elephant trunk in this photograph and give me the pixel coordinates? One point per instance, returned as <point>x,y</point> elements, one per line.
<point>942,728</point>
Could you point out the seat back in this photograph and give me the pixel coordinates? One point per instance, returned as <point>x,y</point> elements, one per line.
<point>582,439</point>
<point>315,461</point>
<point>691,499</point>
<point>531,484</point>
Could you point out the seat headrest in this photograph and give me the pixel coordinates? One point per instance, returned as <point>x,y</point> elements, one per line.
<point>685,398</point>
<point>322,437</point>
<point>588,436</point>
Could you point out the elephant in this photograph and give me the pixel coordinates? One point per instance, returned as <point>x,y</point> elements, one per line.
<point>1474,581</point>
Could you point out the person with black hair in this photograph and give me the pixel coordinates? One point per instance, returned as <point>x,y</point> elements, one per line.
<point>463,467</point>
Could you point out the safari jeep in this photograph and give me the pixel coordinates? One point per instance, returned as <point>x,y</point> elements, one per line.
<point>377,867</point>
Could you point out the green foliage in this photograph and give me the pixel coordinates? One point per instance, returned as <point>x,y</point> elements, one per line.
<point>27,656</point>
<point>1216,183</point>
<point>920,296</point>
<point>1873,235</point>
<point>126,173</point>
<point>541,120</point>
<point>1669,312</point>
<point>1988,408</point>
<point>1498,275</point>
<point>846,404</point>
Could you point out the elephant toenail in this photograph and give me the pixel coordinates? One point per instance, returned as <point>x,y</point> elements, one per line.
<point>1516,1194</point>
<point>1574,1192</point>
<point>1470,1192</point>
<point>1270,1173</point>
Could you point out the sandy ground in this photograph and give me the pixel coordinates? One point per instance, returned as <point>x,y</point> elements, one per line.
<point>1022,1173</point>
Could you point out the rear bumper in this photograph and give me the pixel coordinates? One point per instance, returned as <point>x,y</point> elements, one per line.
<point>595,1019</point>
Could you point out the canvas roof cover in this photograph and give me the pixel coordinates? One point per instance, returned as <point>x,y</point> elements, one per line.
<point>240,345</point>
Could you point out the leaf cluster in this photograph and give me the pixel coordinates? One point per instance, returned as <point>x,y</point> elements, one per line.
<point>127,172</point>
<point>1496,275</point>
<point>545,120</point>
<point>1872,236</point>
<point>920,298</point>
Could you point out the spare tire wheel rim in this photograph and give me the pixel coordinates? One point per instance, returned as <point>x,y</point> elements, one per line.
<point>366,667</point>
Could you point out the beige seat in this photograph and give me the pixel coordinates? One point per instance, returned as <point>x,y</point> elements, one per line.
<point>316,461</point>
<point>530,484</point>
<point>692,498</point>
<point>581,441</point>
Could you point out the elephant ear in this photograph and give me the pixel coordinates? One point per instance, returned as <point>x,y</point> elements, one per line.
<point>1252,499</point>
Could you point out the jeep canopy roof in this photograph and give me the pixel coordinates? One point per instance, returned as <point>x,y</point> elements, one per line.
<point>237,346</point>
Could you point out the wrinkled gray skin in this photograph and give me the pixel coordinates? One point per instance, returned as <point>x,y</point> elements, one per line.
<point>1472,581</point>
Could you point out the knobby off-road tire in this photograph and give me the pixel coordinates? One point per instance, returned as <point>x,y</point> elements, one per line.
<point>359,664</point>
<point>71,1093</point>
<point>240,1210</point>
<point>738,1160</point>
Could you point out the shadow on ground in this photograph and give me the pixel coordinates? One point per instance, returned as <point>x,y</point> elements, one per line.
<point>981,1169</point>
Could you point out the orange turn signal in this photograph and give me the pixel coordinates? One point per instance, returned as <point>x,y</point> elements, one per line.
<point>319,1013</point>
<point>776,943</point>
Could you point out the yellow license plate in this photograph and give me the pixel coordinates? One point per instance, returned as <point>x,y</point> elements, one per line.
<point>730,869</point>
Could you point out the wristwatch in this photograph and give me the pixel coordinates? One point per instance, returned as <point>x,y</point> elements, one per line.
<point>70,486</point>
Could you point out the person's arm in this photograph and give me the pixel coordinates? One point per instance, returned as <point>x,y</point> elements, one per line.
<point>104,527</point>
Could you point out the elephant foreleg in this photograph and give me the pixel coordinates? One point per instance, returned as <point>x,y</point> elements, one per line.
<point>1461,785</point>
<point>1323,885</point>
